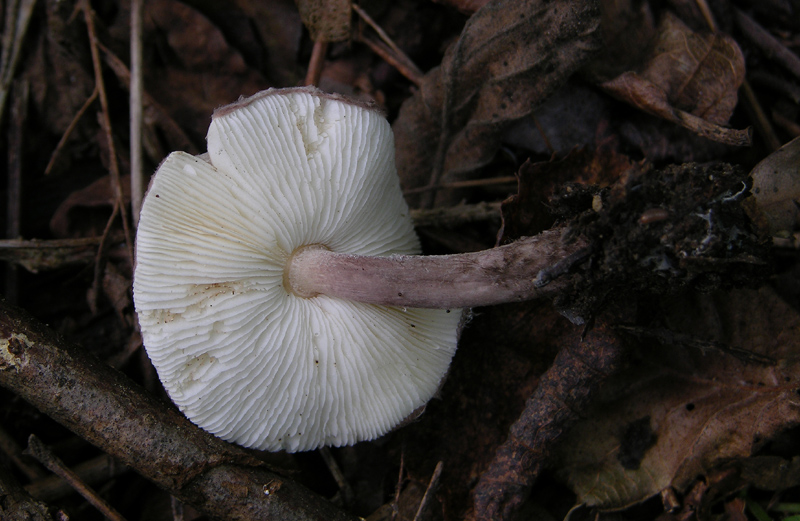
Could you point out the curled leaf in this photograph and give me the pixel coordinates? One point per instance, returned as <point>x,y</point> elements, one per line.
<point>690,79</point>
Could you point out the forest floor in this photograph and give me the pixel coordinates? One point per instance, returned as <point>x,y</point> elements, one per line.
<point>661,380</point>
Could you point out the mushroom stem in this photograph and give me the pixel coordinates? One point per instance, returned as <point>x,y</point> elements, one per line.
<point>519,271</point>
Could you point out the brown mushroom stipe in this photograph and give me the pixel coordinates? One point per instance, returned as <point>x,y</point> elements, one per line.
<point>277,284</point>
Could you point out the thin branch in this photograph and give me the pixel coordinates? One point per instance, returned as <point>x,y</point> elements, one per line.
<point>104,407</point>
<point>18,17</point>
<point>70,129</point>
<point>137,173</point>
<point>88,15</point>
<point>99,469</point>
<point>430,493</point>
<point>45,456</point>
<point>392,54</point>
<point>464,184</point>
<point>561,398</point>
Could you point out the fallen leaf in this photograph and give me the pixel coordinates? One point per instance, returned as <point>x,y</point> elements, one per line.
<point>677,413</point>
<point>776,187</point>
<point>509,58</point>
<point>690,79</point>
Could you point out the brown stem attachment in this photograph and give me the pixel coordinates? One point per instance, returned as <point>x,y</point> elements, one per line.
<point>515,272</point>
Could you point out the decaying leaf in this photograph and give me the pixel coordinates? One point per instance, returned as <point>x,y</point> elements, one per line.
<point>326,20</point>
<point>677,412</point>
<point>690,79</point>
<point>509,57</point>
<point>776,187</point>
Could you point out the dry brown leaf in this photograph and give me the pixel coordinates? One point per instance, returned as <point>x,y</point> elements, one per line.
<point>326,20</point>
<point>198,70</point>
<point>690,79</point>
<point>776,187</point>
<point>510,56</point>
<point>678,412</point>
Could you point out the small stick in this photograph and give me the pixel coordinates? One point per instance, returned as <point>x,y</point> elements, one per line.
<point>98,469</point>
<point>338,476</point>
<point>464,184</point>
<point>18,17</point>
<point>707,14</point>
<point>412,74</point>
<point>768,44</point>
<point>100,259</point>
<point>563,394</point>
<point>399,487</point>
<point>70,128</point>
<point>430,492</point>
<point>398,52</point>
<point>760,119</point>
<point>13,451</point>
<point>16,129</point>
<point>137,174</point>
<point>88,14</point>
<point>38,450</point>
<point>316,62</point>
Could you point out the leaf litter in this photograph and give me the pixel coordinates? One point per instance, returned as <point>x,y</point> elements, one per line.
<point>688,406</point>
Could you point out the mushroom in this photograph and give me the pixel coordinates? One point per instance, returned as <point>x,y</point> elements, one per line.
<point>277,283</point>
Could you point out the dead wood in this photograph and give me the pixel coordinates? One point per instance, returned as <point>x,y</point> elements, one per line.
<point>101,405</point>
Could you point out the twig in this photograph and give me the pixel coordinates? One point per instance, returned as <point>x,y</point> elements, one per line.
<point>393,54</point>
<point>344,487</point>
<point>760,119</point>
<point>137,174</point>
<point>96,470</point>
<point>13,452</point>
<point>16,130</point>
<point>153,111</point>
<point>100,259</point>
<point>316,62</point>
<point>381,50</point>
<point>453,216</point>
<point>68,131</point>
<point>399,486</point>
<point>768,44</point>
<point>707,14</point>
<point>464,184</point>
<point>17,19</point>
<point>38,450</point>
<point>101,405</point>
<point>88,15</point>
<point>430,493</point>
<point>559,401</point>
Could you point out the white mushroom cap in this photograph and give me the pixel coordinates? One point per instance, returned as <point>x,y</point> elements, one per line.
<point>240,355</point>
